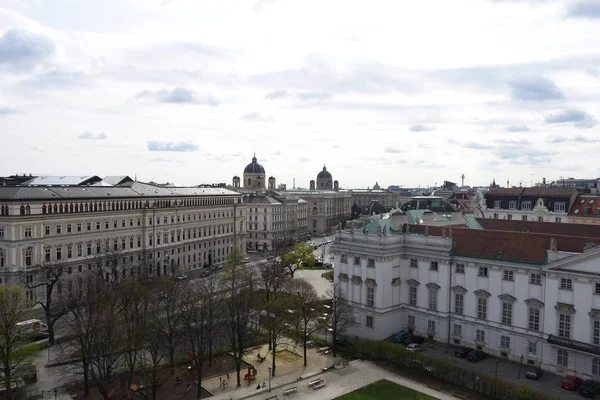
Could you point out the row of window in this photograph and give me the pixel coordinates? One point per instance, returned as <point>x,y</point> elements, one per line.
<point>526,205</point>
<point>525,218</point>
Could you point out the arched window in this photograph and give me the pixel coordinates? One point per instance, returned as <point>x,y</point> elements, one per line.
<point>27,210</point>
<point>2,258</point>
<point>95,206</point>
<point>76,207</point>
<point>55,209</point>
<point>71,208</point>
<point>28,256</point>
<point>60,209</point>
<point>22,210</point>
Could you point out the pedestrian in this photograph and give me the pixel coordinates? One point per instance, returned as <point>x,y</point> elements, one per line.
<point>220,381</point>
<point>189,387</point>
<point>227,377</point>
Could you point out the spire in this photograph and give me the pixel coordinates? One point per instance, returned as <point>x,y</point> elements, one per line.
<point>254,158</point>
<point>324,168</point>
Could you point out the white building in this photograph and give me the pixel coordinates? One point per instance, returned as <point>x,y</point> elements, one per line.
<point>511,294</point>
<point>166,230</point>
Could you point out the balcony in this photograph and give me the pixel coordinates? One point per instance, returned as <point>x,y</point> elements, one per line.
<point>574,344</point>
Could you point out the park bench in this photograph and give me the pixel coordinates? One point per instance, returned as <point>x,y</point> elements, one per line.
<point>315,382</point>
<point>460,395</point>
<point>290,390</point>
<point>319,385</point>
<point>434,385</point>
<point>272,398</point>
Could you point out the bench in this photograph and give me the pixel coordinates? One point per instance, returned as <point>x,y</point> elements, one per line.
<point>272,398</point>
<point>315,382</point>
<point>319,385</point>
<point>290,390</point>
<point>322,349</point>
<point>434,385</point>
<point>460,395</point>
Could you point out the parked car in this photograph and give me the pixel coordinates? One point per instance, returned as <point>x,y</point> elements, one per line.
<point>589,389</point>
<point>475,355</point>
<point>270,258</point>
<point>400,336</point>
<point>181,277</point>
<point>533,373</point>
<point>571,382</point>
<point>415,347</point>
<point>251,251</point>
<point>246,260</point>
<point>462,352</point>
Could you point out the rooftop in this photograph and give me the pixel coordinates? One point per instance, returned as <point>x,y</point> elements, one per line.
<point>551,228</point>
<point>585,206</point>
<point>530,191</point>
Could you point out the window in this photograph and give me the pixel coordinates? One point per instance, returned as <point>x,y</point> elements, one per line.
<point>414,263</point>
<point>495,215</point>
<point>58,253</point>
<point>433,295</point>
<point>532,348</point>
<point>69,228</point>
<point>497,204</point>
<point>558,220</point>
<point>559,207</point>
<point>524,217</point>
<point>457,330</point>
<point>562,358</point>
<point>79,227</point>
<point>88,226</point>
<point>482,307</point>
<point>89,249</point>
<point>369,321</point>
<point>482,271</point>
<point>459,303</point>
<point>430,326</point>
<point>2,258</point>
<point>27,232</point>
<point>512,205</point>
<point>596,366</point>
<point>526,205</point>
<point>596,333</point>
<point>508,275</point>
<point>371,263</point>
<point>566,283</point>
<point>411,321</point>
<point>507,309</point>
<point>534,318</point>
<point>47,230</point>
<point>79,249</point>
<point>505,342</point>
<point>115,224</point>
<point>509,217</point>
<point>356,260</point>
<point>597,288</point>
<point>370,296</point>
<point>28,256</point>
<point>535,279</point>
<point>412,296</point>
<point>540,219</point>
<point>433,265</point>
<point>479,335</point>
<point>122,223</point>
<point>460,268</point>
<point>47,254</point>
<point>69,251</point>
<point>1,232</point>
<point>131,222</point>
<point>564,325</point>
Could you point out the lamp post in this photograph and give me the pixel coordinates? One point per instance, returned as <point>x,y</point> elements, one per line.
<point>520,365</point>
<point>269,379</point>
<point>496,378</point>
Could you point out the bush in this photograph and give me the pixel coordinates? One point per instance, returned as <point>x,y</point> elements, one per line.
<point>328,275</point>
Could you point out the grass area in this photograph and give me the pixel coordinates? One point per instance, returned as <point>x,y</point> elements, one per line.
<point>328,275</point>
<point>384,390</point>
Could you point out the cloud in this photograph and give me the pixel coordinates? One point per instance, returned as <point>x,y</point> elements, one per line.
<point>276,94</point>
<point>420,128</point>
<point>313,95</point>
<point>477,146</point>
<point>581,119</point>
<point>179,95</point>
<point>303,159</point>
<point>23,50</point>
<point>8,111</point>
<point>256,117</point>
<point>260,5</point>
<point>577,139</point>
<point>57,78</point>
<point>172,146</point>
<point>535,88</point>
<point>392,150</point>
<point>521,142</point>
<point>583,9</point>
<point>523,155</point>
<point>517,128</point>
<point>92,136</point>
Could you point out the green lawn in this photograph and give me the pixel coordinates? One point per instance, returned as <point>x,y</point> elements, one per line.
<point>384,390</point>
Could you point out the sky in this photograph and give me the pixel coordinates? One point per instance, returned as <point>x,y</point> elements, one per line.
<point>407,93</point>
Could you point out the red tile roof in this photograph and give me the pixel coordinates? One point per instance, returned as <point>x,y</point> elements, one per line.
<point>551,228</point>
<point>591,202</point>
<point>531,191</point>
<point>526,247</point>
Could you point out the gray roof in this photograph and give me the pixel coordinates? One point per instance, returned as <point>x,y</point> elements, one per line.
<point>130,190</point>
<point>260,200</point>
<point>62,180</point>
<point>117,180</point>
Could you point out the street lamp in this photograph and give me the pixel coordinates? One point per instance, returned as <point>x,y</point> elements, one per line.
<point>520,365</point>
<point>269,379</point>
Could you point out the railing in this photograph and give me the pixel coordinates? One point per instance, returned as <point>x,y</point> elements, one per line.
<point>574,344</point>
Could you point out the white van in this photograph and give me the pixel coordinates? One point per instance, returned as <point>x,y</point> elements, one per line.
<point>34,328</point>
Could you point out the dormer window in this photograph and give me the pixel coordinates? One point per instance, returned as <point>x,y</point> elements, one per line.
<point>497,204</point>
<point>559,207</point>
<point>512,205</point>
<point>526,206</point>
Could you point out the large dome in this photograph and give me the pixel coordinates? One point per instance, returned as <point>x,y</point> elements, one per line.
<point>254,167</point>
<point>324,174</point>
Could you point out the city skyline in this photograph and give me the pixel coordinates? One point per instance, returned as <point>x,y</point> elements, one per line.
<point>185,91</point>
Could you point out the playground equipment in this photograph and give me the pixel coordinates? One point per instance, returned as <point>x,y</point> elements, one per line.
<point>251,375</point>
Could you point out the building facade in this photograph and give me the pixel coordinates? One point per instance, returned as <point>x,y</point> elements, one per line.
<point>510,294</point>
<point>528,204</point>
<point>585,210</point>
<point>363,197</point>
<point>156,229</point>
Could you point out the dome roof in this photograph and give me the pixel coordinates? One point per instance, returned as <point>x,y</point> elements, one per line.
<point>376,187</point>
<point>324,174</point>
<point>374,208</point>
<point>254,167</point>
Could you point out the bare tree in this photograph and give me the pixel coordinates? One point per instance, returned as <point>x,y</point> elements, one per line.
<point>49,277</point>
<point>153,342</point>
<point>239,285</point>
<point>273,279</point>
<point>171,317</point>
<point>276,319</point>
<point>132,303</point>
<point>305,311</point>
<point>14,306</point>
<point>212,289</point>
<point>341,316</point>
<point>196,321</point>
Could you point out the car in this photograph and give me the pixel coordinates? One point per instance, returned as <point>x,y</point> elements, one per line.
<point>246,260</point>
<point>218,267</point>
<point>400,336</point>
<point>533,373</point>
<point>415,347</point>
<point>462,352</point>
<point>571,382</point>
<point>251,251</point>
<point>589,389</point>
<point>270,258</point>
<point>181,277</point>
<point>205,274</point>
<point>475,355</point>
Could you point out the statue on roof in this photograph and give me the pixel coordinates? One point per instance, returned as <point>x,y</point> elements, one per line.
<point>450,232</point>
<point>443,232</point>
<point>589,246</point>
<point>426,230</point>
<point>379,230</point>
<point>385,232</point>
<point>365,229</point>
<point>553,245</point>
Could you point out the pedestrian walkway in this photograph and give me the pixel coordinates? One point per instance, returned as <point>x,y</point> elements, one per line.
<point>355,375</point>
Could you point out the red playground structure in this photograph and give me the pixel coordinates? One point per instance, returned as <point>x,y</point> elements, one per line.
<point>251,375</point>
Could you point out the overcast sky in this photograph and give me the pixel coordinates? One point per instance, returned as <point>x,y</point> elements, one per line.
<point>400,92</point>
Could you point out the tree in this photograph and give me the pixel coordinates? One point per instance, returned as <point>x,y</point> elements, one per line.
<point>273,279</point>
<point>49,277</point>
<point>196,319</point>
<point>301,254</point>
<point>212,291</point>
<point>132,303</point>
<point>341,316</point>
<point>276,319</point>
<point>14,306</point>
<point>171,317</point>
<point>306,313</point>
<point>239,286</point>
<point>153,342</point>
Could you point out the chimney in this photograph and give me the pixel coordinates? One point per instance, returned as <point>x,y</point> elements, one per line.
<point>397,219</point>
